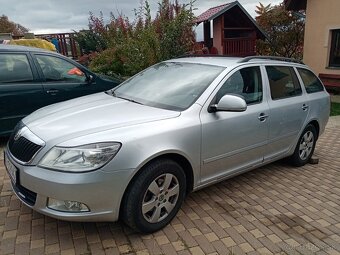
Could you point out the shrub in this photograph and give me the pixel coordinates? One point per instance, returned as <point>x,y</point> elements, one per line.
<point>107,63</point>
<point>126,47</point>
<point>94,39</point>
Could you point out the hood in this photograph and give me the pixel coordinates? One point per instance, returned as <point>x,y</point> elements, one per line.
<point>91,114</point>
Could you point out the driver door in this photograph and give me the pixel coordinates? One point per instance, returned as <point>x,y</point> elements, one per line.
<point>62,80</point>
<point>21,92</point>
<point>234,141</point>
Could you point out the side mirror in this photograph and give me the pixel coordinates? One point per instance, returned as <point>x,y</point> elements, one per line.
<point>230,103</point>
<point>90,78</point>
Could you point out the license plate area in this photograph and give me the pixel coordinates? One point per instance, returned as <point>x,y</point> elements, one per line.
<point>11,170</point>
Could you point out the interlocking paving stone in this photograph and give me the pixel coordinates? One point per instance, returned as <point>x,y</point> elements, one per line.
<point>276,209</point>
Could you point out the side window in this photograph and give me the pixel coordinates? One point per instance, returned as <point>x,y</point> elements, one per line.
<point>311,82</point>
<point>15,68</point>
<point>57,69</point>
<point>246,82</point>
<point>283,82</point>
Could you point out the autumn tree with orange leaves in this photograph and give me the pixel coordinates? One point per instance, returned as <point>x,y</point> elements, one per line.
<point>284,29</point>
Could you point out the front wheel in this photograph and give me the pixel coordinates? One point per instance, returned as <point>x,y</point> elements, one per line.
<point>155,197</point>
<point>305,147</point>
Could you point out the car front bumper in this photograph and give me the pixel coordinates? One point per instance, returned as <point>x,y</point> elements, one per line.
<point>101,190</point>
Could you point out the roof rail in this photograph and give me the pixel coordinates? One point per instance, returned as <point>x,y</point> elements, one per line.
<point>201,55</point>
<point>291,60</point>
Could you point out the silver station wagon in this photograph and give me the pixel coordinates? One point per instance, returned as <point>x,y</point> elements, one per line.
<point>135,152</point>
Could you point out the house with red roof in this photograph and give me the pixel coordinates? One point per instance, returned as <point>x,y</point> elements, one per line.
<point>230,30</point>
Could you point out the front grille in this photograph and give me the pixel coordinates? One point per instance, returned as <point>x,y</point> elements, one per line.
<point>26,195</point>
<point>22,148</point>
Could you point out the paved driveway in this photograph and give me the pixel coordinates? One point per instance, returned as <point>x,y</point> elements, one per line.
<point>276,209</point>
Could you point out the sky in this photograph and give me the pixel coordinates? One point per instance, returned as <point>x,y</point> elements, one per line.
<point>54,16</point>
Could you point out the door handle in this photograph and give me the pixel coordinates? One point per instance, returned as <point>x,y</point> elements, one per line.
<point>305,107</point>
<point>52,92</point>
<point>262,117</point>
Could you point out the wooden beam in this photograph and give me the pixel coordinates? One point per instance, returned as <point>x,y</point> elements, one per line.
<point>222,35</point>
<point>239,28</point>
<point>207,33</point>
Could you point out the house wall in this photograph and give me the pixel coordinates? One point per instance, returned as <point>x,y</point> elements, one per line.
<point>321,18</point>
<point>217,35</point>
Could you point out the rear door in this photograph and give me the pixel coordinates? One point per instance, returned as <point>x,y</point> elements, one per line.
<point>288,110</point>
<point>319,101</point>
<point>21,91</point>
<point>62,79</point>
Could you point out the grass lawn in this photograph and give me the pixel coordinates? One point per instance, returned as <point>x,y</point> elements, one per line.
<point>335,109</point>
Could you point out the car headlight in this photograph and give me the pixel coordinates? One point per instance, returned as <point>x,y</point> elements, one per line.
<point>80,159</point>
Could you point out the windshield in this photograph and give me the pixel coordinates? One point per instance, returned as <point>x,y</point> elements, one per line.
<point>169,85</point>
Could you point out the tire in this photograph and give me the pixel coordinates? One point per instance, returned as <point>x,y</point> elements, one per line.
<point>155,196</point>
<point>305,147</point>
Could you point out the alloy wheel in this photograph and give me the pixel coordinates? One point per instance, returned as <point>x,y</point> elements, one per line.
<point>306,145</point>
<point>160,198</point>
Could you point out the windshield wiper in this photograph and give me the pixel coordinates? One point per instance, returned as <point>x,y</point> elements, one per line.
<point>112,93</point>
<point>129,99</point>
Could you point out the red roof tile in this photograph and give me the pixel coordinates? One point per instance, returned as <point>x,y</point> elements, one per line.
<point>207,15</point>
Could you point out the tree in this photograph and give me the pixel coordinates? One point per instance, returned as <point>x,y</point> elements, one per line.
<point>284,29</point>
<point>261,9</point>
<point>7,26</point>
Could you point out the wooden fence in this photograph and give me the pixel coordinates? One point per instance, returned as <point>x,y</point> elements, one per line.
<point>67,45</point>
<point>239,47</point>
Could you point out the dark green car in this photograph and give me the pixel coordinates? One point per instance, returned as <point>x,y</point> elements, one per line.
<point>31,78</point>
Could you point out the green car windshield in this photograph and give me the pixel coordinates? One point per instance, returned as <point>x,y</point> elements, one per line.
<point>169,85</point>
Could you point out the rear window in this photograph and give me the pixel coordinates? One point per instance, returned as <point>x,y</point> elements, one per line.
<point>311,82</point>
<point>14,68</point>
<point>283,82</point>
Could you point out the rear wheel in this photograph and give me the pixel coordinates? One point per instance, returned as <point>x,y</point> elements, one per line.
<point>155,197</point>
<point>305,147</point>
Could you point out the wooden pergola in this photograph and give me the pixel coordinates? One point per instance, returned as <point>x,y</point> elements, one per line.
<point>234,31</point>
